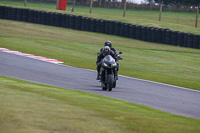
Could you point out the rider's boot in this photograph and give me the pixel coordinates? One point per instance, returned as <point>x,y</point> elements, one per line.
<point>98,76</point>
<point>117,73</point>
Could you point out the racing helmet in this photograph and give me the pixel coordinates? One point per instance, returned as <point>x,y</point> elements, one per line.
<point>108,43</point>
<point>106,50</point>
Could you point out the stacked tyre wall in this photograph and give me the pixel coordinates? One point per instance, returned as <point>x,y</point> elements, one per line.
<point>149,34</point>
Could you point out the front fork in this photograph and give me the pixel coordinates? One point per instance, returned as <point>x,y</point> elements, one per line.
<point>106,74</point>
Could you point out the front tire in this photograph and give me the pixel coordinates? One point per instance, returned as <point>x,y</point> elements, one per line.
<point>110,82</point>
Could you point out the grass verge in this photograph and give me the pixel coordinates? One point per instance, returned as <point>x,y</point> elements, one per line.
<point>31,107</point>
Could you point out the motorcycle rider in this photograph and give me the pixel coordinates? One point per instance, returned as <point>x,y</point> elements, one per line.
<point>104,52</point>
<point>109,44</point>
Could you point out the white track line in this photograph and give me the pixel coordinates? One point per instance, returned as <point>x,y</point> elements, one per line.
<point>31,56</point>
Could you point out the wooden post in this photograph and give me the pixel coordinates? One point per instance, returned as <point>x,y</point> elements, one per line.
<point>56,4</point>
<point>72,9</point>
<point>25,1</point>
<point>91,2</point>
<point>124,8</point>
<point>160,12</point>
<point>197,15</point>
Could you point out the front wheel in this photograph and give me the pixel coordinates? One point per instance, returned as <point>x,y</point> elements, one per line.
<point>110,82</point>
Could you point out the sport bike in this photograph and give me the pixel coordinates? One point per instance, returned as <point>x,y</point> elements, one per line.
<point>108,72</point>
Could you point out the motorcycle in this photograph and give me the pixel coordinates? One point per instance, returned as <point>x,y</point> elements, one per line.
<point>108,72</point>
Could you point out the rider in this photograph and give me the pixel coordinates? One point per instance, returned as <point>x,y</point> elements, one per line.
<point>105,51</point>
<point>109,44</point>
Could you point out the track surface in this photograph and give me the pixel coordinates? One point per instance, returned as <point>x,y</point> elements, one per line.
<point>167,98</point>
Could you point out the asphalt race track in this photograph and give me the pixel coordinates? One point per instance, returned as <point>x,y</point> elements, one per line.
<point>167,98</point>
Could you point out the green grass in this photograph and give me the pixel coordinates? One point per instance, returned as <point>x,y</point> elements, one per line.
<point>184,23</point>
<point>31,107</point>
<point>155,62</point>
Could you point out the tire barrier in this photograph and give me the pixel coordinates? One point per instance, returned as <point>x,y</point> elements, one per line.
<point>2,12</point>
<point>117,28</point>
<point>122,30</point>
<point>93,25</point>
<point>127,30</point>
<point>159,35</point>
<point>98,25</point>
<point>149,34</point>
<point>78,22</point>
<point>180,39</point>
<point>133,31</point>
<point>196,41</point>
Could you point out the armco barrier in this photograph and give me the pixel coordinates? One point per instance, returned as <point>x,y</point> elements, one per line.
<point>150,34</point>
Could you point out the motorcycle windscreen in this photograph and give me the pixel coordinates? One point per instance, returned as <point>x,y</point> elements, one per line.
<point>109,59</point>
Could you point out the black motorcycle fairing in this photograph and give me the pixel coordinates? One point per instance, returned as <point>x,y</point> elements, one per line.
<point>108,62</point>
<point>108,71</point>
<point>108,66</point>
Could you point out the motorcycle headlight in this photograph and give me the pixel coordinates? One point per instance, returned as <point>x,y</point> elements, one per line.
<point>105,64</point>
<point>114,64</point>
